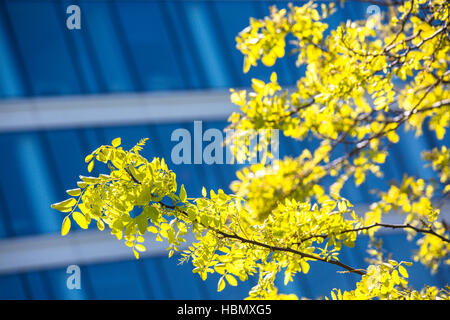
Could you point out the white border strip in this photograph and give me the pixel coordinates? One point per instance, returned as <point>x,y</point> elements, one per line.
<point>113,109</point>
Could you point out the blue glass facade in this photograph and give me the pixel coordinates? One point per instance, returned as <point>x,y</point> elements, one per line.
<point>143,46</point>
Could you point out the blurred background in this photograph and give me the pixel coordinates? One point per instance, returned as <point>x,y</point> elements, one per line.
<point>137,69</point>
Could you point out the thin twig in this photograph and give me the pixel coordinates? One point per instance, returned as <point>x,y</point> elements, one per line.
<point>385,225</point>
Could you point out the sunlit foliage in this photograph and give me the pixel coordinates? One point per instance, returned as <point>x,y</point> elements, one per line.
<point>364,82</point>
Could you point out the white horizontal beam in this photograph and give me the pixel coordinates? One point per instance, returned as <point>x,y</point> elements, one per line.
<point>51,251</point>
<point>113,109</point>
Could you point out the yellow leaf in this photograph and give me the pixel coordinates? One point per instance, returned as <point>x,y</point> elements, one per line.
<point>380,102</point>
<point>403,271</point>
<point>221,285</point>
<point>395,277</point>
<point>257,84</point>
<point>90,166</point>
<point>116,142</point>
<point>273,77</point>
<point>100,225</point>
<point>65,205</point>
<point>333,295</point>
<point>278,51</point>
<point>287,277</point>
<point>140,247</point>
<point>65,226</point>
<point>231,280</point>
<point>393,137</point>
<point>136,254</point>
<point>269,59</point>
<point>152,229</point>
<point>305,266</point>
<point>440,132</point>
<point>380,157</point>
<point>246,64</point>
<point>74,192</point>
<point>80,219</point>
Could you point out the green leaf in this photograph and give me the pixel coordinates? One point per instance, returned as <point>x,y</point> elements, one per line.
<point>221,284</point>
<point>142,223</point>
<point>65,226</point>
<point>170,235</point>
<point>151,212</point>
<point>191,214</point>
<point>183,195</point>
<point>80,219</point>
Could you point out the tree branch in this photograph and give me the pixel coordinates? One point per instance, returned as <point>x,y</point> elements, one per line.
<point>385,225</point>
<point>270,247</point>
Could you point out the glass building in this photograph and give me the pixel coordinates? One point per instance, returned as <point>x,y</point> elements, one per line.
<point>136,69</point>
